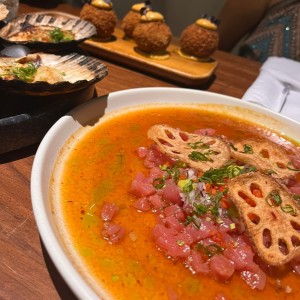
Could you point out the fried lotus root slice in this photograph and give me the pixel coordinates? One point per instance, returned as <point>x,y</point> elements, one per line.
<point>200,152</point>
<point>270,214</point>
<point>265,156</point>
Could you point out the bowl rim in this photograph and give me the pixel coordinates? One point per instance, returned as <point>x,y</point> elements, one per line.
<point>40,45</point>
<point>49,148</point>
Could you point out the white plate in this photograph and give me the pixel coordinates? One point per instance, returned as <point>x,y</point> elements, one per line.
<point>64,127</point>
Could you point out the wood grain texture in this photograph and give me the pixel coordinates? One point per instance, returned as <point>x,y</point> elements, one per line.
<point>170,66</point>
<point>26,271</point>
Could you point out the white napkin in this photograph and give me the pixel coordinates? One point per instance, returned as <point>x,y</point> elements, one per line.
<point>277,87</point>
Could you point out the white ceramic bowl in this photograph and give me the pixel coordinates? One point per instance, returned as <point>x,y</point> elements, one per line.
<point>63,129</point>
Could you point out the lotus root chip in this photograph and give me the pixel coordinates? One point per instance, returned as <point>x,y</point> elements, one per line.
<point>270,214</point>
<point>200,152</point>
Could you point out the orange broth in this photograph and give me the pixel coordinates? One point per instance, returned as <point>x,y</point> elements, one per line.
<point>100,167</point>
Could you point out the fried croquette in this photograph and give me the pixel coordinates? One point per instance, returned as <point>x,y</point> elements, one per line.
<point>152,37</point>
<point>200,39</point>
<point>152,34</point>
<point>105,20</point>
<point>131,19</point>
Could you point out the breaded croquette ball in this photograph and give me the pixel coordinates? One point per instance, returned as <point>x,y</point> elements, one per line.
<point>101,14</point>
<point>131,19</point>
<point>200,39</point>
<point>152,34</point>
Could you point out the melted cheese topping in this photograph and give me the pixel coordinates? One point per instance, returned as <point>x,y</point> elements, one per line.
<point>137,7</point>
<point>152,16</point>
<point>205,23</point>
<point>101,4</point>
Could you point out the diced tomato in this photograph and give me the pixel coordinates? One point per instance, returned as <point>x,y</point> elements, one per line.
<point>172,222</point>
<point>156,202</point>
<point>142,152</point>
<point>142,204</point>
<point>175,210</point>
<point>255,279</point>
<point>221,267</point>
<point>171,193</point>
<point>161,229</point>
<point>114,233</point>
<point>172,246</point>
<point>109,210</point>
<point>206,230</point>
<point>156,158</point>
<point>242,258</point>
<point>140,186</point>
<point>224,203</point>
<point>198,265</point>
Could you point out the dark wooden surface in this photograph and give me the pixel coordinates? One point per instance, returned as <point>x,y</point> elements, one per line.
<point>26,271</point>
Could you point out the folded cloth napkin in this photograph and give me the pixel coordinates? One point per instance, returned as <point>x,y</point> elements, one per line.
<point>277,87</point>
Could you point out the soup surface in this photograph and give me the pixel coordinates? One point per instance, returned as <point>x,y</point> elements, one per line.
<point>100,168</point>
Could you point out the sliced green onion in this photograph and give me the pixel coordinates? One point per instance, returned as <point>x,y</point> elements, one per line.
<point>180,243</point>
<point>273,199</point>
<point>290,168</point>
<point>270,172</point>
<point>232,226</point>
<point>289,209</point>
<point>219,220</point>
<point>159,183</point>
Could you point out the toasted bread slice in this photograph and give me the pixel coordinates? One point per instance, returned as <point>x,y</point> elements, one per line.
<point>270,214</point>
<point>265,156</point>
<point>200,152</point>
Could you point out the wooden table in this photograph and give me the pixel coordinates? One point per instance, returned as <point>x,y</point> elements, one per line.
<point>26,271</point>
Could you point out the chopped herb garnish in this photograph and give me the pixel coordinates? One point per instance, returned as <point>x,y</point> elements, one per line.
<point>188,187</point>
<point>198,145</point>
<point>247,149</point>
<point>159,183</point>
<point>296,198</point>
<point>274,200</point>
<point>209,250</point>
<point>193,219</point>
<point>174,172</point>
<point>201,209</point>
<point>218,176</point>
<point>216,199</point>
<point>25,73</point>
<point>57,35</point>
<point>198,156</point>
<point>232,212</point>
<point>232,146</point>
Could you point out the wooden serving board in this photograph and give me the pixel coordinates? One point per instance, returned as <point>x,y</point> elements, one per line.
<point>182,70</point>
